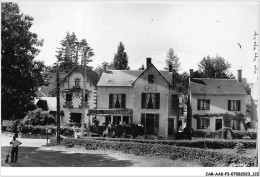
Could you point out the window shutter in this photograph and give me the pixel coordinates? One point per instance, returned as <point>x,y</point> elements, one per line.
<point>208,104</point>
<point>143,100</point>
<point>238,126</point>
<point>157,100</point>
<point>130,119</point>
<point>110,100</point>
<point>229,105</point>
<point>156,121</point>
<point>198,104</point>
<point>143,121</point>
<point>238,105</point>
<point>198,123</point>
<point>207,123</point>
<point>123,100</point>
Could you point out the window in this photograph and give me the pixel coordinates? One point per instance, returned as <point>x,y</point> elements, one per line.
<point>234,105</point>
<point>235,124</point>
<point>68,98</point>
<point>203,104</point>
<point>150,101</point>
<point>202,123</point>
<point>150,78</point>
<point>77,83</point>
<point>175,102</point>
<point>117,100</point>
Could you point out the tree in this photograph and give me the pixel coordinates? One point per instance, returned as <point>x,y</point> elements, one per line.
<point>142,67</point>
<point>21,75</point>
<point>103,68</point>
<point>181,82</point>
<point>120,61</point>
<point>173,59</point>
<point>68,53</point>
<point>215,67</point>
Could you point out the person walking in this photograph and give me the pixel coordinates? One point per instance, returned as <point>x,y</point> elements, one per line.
<point>14,153</point>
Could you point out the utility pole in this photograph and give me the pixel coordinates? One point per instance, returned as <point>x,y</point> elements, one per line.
<point>58,105</point>
<point>84,86</point>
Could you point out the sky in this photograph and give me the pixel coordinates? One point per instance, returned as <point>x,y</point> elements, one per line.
<point>194,30</point>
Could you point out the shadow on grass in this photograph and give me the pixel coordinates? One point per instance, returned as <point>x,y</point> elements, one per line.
<point>35,157</point>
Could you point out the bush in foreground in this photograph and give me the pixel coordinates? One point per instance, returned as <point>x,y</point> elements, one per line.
<point>183,153</point>
<point>210,144</point>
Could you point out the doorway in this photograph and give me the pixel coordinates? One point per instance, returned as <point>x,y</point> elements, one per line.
<point>149,123</point>
<point>218,124</point>
<point>170,126</point>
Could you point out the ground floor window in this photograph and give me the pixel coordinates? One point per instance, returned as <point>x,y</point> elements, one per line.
<point>150,123</point>
<point>75,118</point>
<point>118,120</point>
<point>235,124</point>
<point>202,123</point>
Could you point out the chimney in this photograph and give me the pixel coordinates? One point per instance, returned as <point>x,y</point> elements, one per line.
<point>191,74</point>
<point>105,68</point>
<point>239,75</point>
<point>148,62</point>
<point>173,80</point>
<point>170,67</point>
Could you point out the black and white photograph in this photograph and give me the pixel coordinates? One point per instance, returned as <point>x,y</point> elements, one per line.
<point>169,88</point>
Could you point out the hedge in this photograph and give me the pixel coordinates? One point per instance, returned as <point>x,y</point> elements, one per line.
<point>184,153</point>
<point>30,129</point>
<point>235,134</point>
<point>211,144</point>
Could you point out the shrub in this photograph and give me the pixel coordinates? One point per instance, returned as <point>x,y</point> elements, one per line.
<point>207,163</point>
<point>38,117</point>
<point>199,133</point>
<point>183,153</point>
<point>66,131</point>
<point>8,125</point>
<point>173,156</point>
<point>240,148</point>
<point>69,143</point>
<point>211,144</point>
<point>30,129</point>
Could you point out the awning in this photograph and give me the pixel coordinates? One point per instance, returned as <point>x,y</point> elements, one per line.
<point>127,112</point>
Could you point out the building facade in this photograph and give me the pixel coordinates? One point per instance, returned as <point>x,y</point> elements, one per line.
<point>217,103</point>
<point>143,97</point>
<point>71,96</point>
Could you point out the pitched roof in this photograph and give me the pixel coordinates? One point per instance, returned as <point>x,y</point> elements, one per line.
<point>119,77</point>
<point>92,75</point>
<point>165,74</point>
<point>126,77</point>
<point>49,102</point>
<point>205,86</point>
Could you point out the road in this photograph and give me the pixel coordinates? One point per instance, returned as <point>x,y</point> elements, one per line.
<point>35,153</point>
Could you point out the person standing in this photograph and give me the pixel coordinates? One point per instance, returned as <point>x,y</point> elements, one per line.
<point>14,153</point>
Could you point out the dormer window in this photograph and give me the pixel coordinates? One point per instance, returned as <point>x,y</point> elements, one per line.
<point>77,83</point>
<point>150,78</point>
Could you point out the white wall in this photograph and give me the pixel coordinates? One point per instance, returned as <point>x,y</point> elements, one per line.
<point>68,84</point>
<point>134,99</point>
<point>218,105</point>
